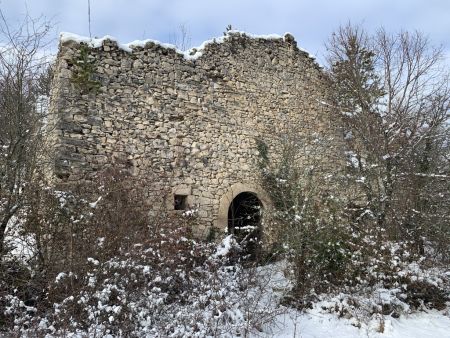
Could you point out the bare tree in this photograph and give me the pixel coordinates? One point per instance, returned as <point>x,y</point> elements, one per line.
<point>182,38</point>
<point>394,93</point>
<point>24,79</point>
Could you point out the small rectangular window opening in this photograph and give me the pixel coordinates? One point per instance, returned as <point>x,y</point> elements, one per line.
<point>180,202</point>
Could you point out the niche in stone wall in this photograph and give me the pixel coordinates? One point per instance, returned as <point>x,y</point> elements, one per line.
<point>180,202</point>
<point>180,199</point>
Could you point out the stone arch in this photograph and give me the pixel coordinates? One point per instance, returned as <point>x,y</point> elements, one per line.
<point>235,190</point>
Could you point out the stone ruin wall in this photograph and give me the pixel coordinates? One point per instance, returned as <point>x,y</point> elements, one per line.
<point>192,123</point>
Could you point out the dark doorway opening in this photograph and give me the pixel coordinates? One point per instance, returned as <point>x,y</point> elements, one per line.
<point>244,222</point>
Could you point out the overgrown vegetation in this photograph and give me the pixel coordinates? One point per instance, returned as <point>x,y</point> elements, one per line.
<point>341,256</point>
<point>393,92</point>
<point>392,233</point>
<point>106,267</point>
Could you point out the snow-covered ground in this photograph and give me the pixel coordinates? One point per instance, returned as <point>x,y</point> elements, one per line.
<point>320,323</point>
<point>270,283</point>
<point>316,324</point>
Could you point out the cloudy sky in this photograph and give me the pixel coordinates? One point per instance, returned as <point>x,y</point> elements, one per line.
<point>310,21</point>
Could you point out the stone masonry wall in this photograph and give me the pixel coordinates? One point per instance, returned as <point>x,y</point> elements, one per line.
<point>190,121</point>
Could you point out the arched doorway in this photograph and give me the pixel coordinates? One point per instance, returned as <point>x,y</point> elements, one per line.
<point>244,222</point>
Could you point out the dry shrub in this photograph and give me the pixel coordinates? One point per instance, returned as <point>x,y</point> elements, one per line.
<point>107,267</point>
<point>336,248</point>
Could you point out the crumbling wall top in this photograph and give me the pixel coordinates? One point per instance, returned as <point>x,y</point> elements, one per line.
<point>191,54</point>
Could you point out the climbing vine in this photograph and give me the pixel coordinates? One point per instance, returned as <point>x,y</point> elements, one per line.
<point>263,151</point>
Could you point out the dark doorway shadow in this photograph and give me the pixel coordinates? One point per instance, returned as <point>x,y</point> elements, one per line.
<point>244,222</point>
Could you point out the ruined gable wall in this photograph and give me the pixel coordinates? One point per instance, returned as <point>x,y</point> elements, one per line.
<point>192,123</point>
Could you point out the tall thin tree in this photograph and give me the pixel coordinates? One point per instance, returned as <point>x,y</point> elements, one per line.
<point>22,65</point>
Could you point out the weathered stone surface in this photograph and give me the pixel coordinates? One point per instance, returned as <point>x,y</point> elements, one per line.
<point>193,123</point>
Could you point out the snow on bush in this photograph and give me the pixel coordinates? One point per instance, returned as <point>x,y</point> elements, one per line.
<point>19,244</point>
<point>378,282</point>
<point>111,269</point>
<point>167,286</point>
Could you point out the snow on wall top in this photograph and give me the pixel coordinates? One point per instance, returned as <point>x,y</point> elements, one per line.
<point>190,54</point>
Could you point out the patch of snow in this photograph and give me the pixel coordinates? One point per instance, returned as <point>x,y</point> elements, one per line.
<point>361,179</point>
<point>93,261</point>
<point>190,54</point>
<point>93,205</point>
<point>317,324</point>
<point>432,175</point>
<point>325,103</point>
<point>352,159</point>
<point>247,228</point>
<point>22,245</point>
<point>348,135</point>
<point>225,247</point>
<point>348,114</point>
<point>190,212</point>
<point>92,42</point>
<point>60,276</point>
<point>100,242</point>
